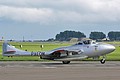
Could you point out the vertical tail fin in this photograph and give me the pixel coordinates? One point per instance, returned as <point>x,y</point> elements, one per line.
<point>6,48</point>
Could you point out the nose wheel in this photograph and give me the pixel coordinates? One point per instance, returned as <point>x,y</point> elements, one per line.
<point>103,60</point>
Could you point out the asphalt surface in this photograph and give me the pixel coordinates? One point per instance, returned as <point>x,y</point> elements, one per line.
<point>80,70</point>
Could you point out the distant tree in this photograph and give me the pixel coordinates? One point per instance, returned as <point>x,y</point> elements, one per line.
<point>51,39</point>
<point>114,35</point>
<point>67,35</point>
<point>97,35</point>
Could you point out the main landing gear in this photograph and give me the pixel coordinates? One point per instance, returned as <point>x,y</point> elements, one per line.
<point>65,62</point>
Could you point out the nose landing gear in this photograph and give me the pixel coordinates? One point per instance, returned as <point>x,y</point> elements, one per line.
<point>103,60</point>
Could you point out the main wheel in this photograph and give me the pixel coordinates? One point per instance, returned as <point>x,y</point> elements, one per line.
<point>66,62</point>
<point>102,61</point>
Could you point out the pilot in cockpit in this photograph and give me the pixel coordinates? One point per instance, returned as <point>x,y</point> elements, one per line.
<point>86,42</point>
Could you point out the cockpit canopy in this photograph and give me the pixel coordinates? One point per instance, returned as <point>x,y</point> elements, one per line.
<point>86,42</point>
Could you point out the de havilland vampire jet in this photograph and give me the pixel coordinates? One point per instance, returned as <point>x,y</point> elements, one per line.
<point>83,49</point>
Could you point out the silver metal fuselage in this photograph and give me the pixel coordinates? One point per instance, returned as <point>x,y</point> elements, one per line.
<point>92,50</point>
<point>83,50</point>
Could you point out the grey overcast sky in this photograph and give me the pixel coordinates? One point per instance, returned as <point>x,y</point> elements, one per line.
<point>43,19</point>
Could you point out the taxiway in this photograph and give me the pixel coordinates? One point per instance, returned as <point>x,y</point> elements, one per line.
<point>78,70</point>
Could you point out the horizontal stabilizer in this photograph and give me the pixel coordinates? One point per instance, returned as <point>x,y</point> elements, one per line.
<point>7,52</point>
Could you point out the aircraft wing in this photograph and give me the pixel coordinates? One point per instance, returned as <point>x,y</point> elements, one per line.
<point>67,54</point>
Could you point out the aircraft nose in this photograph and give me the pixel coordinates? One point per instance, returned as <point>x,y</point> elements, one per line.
<point>109,48</point>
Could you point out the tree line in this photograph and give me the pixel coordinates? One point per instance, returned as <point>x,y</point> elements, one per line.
<point>67,35</point>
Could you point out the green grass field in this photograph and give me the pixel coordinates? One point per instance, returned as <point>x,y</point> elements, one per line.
<point>35,46</point>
